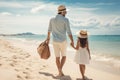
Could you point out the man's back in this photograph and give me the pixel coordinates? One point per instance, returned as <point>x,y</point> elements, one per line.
<point>59,25</point>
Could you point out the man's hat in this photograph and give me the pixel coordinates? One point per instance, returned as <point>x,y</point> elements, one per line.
<point>61,8</point>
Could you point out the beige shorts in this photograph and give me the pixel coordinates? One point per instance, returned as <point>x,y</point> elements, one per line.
<point>60,48</point>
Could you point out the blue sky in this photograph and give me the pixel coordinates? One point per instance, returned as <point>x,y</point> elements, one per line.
<point>96,16</point>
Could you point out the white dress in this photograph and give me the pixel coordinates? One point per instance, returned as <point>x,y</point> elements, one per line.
<point>82,56</point>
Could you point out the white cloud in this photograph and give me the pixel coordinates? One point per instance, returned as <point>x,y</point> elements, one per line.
<point>116,22</point>
<point>18,15</point>
<point>93,22</point>
<point>87,9</point>
<point>6,13</point>
<point>37,9</point>
<point>11,4</point>
<point>102,4</point>
<point>13,24</point>
<point>88,23</point>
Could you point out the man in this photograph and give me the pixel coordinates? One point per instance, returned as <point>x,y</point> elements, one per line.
<point>58,26</point>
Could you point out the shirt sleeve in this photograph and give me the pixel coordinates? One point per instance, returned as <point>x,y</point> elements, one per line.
<point>68,27</point>
<point>50,26</point>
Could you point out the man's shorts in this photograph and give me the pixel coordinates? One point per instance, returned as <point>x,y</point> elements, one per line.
<point>60,48</point>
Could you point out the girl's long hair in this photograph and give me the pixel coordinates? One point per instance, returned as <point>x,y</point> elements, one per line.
<point>83,42</point>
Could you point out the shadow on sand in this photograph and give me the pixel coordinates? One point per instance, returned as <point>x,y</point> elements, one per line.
<point>82,79</point>
<point>66,77</point>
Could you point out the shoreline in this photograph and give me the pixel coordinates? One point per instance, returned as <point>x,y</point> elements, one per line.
<point>23,62</point>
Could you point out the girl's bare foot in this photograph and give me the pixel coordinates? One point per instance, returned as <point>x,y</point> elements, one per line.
<point>85,78</point>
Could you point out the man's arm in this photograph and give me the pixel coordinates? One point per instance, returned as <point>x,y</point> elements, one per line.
<point>49,32</point>
<point>69,31</point>
<point>71,38</point>
<point>48,38</point>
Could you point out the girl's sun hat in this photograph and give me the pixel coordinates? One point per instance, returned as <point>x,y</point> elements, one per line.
<point>82,34</point>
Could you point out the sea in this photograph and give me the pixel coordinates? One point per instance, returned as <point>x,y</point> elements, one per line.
<point>104,49</point>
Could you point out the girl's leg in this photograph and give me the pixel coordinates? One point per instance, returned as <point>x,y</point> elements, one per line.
<point>82,70</point>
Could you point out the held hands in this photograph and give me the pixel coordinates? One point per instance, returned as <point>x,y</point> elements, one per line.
<point>47,41</point>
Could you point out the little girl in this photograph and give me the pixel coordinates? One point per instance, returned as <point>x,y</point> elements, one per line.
<point>82,55</point>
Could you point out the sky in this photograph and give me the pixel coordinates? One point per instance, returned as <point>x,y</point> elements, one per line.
<point>98,17</point>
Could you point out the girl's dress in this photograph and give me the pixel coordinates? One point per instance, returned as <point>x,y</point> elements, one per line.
<point>82,56</point>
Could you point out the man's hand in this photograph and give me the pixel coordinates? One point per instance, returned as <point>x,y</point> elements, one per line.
<point>72,44</point>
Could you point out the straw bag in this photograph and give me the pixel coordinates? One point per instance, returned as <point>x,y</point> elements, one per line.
<point>43,50</point>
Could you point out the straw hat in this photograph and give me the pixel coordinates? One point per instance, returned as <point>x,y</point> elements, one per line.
<point>61,8</point>
<point>82,34</point>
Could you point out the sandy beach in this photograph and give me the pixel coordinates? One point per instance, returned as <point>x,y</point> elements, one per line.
<point>20,61</point>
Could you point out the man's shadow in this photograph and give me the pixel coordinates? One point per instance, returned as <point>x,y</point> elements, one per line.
<point>66,77</point>
<point>82,79</point>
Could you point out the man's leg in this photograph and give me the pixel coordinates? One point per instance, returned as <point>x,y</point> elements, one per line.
<point>57,54</point>
<point>63,48</point>
<point>62,63</point>
<point>58,65</point>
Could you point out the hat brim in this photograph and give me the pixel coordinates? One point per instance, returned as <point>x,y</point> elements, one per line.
<point>81,36</point>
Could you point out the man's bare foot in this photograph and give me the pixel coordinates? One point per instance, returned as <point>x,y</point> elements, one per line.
<point>83,78</point>
<point>60,74</point>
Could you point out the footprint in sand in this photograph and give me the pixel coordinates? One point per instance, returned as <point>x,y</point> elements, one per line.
<point>11,64</point>
<point>43,67</point>
<point>16,70</point>
<point>22,53</point>
<point>18,76</point>
<point>4,57</point>
<point>24,76</point>
<point>27,55</point>
<point>14,61</point>
<point>25,72</point>
<point>27,75</point>
<point>14,57</point>
<point>27,69</point>
<point>0,64</point>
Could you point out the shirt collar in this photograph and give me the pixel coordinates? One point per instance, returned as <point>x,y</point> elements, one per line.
<point>59,15</point>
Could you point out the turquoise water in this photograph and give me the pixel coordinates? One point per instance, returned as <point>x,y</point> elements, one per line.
<point>99,44</point>
<point>106,44</point>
